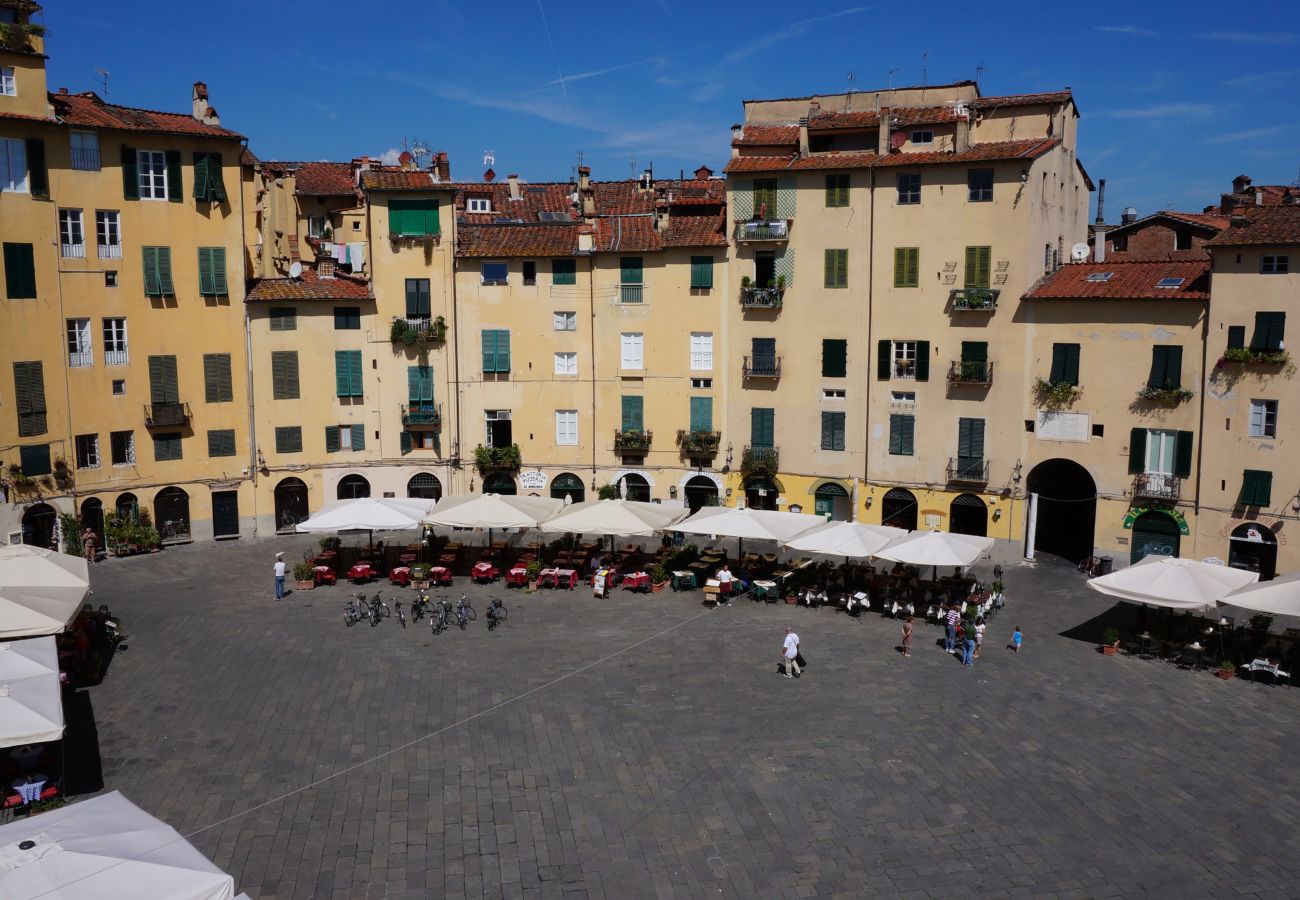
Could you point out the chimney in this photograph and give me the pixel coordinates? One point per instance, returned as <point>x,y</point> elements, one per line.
<point>514,187</point>
<point>586,194</point>
<point>442,167</point>
<point>703,173</point>
<point>1238,221</point>
<point>1099,242</point>
<point>586,243</point>
<point>803,137</point>
<point>737,132</point>
<point>1129,216</point>
<point>1240,183</point>
<point>647,182</point>
<point>1259,197</point>
<point>882,138</point>
<point>1101,201</point>
<point>961,135</point>
<point>662,215</point>
<point>203,112</point>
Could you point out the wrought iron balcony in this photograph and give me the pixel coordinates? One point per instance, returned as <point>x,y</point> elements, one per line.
<point>1150,486</point>
<point>699,443</point>
<point>970,371</point>
<point>968,470</point>
<point>162,415</point>
<point>763,230</point>
<point>760,460</point>
<point>974,299</point>
<point>422,415</point>
<point>632,440</point>
<point>491,459</point>
<point>631,293</point>
<point>761,298</point>
<point>761,367</point>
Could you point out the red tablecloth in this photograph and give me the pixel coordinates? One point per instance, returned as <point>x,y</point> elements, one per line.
<point>636,581</point>
<point>518,575</point>
<point>325,575</point>
<point>485,570</point>
<point>400,575</point>
<point>440,575</point>
<point>361,572</point>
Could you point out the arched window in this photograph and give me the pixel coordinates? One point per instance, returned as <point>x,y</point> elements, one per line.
<point>353,487</point>
<point>424,486</point>
<point>568,486</point>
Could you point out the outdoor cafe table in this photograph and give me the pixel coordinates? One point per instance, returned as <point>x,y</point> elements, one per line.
<point>400,575</point>
<point>29,787</point>
<point>325,575</point>
<point>636,581</point>
<point>440,575</point>
<point>361,572</point>
<point>485,571</point>
<point>765,590</point>
<point>558,578</point>
<point>684,581</point>
<point>517,576</point>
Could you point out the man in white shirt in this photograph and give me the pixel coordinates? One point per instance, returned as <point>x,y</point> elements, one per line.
<point>724,584</point>
<point>280,568</point>
<point>789,651</point>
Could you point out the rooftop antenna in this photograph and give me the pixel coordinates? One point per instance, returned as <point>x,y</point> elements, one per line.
<point>489,158</point>
<point>925,56</point>
<point>848,98</point>
<point>104,73</point>
<point>978,71</point>
<point>891,76</point>
<point>633,162</point>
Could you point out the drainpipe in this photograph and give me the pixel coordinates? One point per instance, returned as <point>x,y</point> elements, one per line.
<point>1205,349</point>
<point>871,264</point>
<point>248,349</point>
<point>591,303</point>
<point>455,337</point>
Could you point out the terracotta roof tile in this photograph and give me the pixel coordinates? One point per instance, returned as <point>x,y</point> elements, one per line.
<point>308,287</point>
<point>1020,99</point>
<point>87,110</point>
<point>767,135</point>
<point>517,240</point>
<point>324,179</point>
<point>627,233</point>
<point>835,161</point>
<point>758,164</point>
<point>995,150</point>
<point>401,180</point>
<point>1128,281</point>
<point>22,118</point>
<point>248,157</point>
<point>1261,225</point>
<point>551,197</point>
<point>1211,221</point>
<point>696,230</point>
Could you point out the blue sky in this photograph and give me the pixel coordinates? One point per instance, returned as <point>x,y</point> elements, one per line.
<point>1177,97</point>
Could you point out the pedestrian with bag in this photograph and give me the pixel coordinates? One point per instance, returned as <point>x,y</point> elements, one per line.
<point>950,634</point>
<point>790,653</point>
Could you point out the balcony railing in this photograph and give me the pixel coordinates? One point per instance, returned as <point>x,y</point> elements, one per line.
<point>760,460</point>
<point>699,443</point>
<point>1150,486</point>
<point>161,415</point>
<point>761,298</point>
<point>763,230</point>
<point>110,251</point>
<point>427,415</point>
<point>904,368</point>
<point>761,367</point>
<point>116,357</point>
<point>490,459</point>
<point>80,359</point>
<point>72,251</point>
<point>970,371</point>
<point>968,470</point>
<point>632,440</point>
<point>974,299</point>
<point>631,293</point>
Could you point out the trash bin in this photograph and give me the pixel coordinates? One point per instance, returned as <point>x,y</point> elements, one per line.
<point>1106,563</point>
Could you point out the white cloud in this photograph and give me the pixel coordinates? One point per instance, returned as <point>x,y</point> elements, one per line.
<point>1178,110</point>
<point>1248,134</point>
<point>1131,30</point>
<point>389,156</point>
<point>1262,79</point>
<point>1268,38</point>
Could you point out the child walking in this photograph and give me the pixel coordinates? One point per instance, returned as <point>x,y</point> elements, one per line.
<point>979,635</point>
<point>1016,639</point>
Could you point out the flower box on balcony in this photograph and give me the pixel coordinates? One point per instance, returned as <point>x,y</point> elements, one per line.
<point>489,459</point>
<point>760,461</point>
<point>699,443</point>
<point>1163,394</point>
<point>632,440</point>
<point>1249,356</point>
<point>1052,394</point>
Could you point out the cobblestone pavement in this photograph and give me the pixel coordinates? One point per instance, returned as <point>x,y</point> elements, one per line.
<point>644,747</point>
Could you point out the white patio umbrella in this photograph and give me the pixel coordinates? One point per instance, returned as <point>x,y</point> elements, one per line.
<point>31,702</point>
<point>763,524</point>
<point>621,518</point>
<point>368,514</point>
<point>1174,583</point>
<point>937,548</point>
<point>493,511</point>
<point>40,590</point>
<point>848,539</point>
<point>1279,597</point>
<point>105,848</point>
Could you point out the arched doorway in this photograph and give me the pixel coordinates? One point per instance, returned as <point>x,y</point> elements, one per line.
<point>898,509</point>
<point>171,514</point>
<point>424,486</point>
<point>1154,534</point>
<point>1067,509</point>
<point>832,501</point>
<point>568,486</point>
<point>499,483</point>
<point>353,487</point>
<point>1253,547</point>
<point>39,521</point>
<point>92,517</point>
<point>127,506</point>
<point>290,503</point>
<point>700,492</point>
<point>634,487</point>
<point>761,493</point>
<point>967,514</point>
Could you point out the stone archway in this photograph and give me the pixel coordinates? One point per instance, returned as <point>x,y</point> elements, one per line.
<point>500,483</point>
<point>126,506</point>
<point>700,491</point>
<point>353,487</point>
<point>967,514</point>
<point>761,492</point>
<point>92,517</point>
<point>634,486</point>
<point>290,504</point>
<point>1155,533</point>
<point>898,509</point>
<point>832,501</point>
<point>171,514</point>
<point>1253,547</point>
<point>1064,517</point>
<point>40,521</point>
<point>424,486</point>
<point>568,486</point>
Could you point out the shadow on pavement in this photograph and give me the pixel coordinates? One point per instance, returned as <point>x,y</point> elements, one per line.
<point>83,769</point>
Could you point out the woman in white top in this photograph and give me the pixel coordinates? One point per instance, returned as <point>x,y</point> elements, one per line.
<point>979,635</point>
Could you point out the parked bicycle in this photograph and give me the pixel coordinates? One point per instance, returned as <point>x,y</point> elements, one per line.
<point>1090,566</point>
<point>401,616</point>
<point>464,612</point>
<point>355,610</point>
<point>378,610</point>
<point>289,521</point>
<point>496,614</point>
<point>420,607</point>
<point>174,530</point>
<point>440,617</point>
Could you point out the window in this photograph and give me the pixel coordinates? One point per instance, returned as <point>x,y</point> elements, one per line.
<point>566,321</point>
<point>979,185</point>
<point>978,263</point>
<point>8,86</point>
<point>833,393</point>
<point>115,346</point>
<point>20,272</point>
<point>837,268</point>
<point>284,318</point>
<point>564,271</point>
<point>1166,368</point>
<point>902,429</point>
<point>163,384</point>
<point>212,271</point>
<point>701,414</point>
<point>1263,418</point>
<point>904,357</point>
<point>88,451</point>
<point>478,204</point>
<point>764,198</point>
<point>1065,364</point>
<point>500,432</point>
<point>1170,283</point>
<point>701,273</point>
<point>702,351</point>
<point>80,351</point>
<point>315,226</point>
<point>832,431</point>
<point>631,286</point>
<point>119,387</point>
<point>157,271</point>
<point>902,398</point>
<point>1275,265</point>
<point>496,350</point>
<point>1256,488</point>
<point>701,384</point>
<point>344,437</point>
<point>13,166</point>
<point>763,359</point>
<point>417,299</point>
<point>922,137</point>
<point>167,446</point>
<point>633,351</point>
<point>909,189</point>
<point>108,233</point>
<point>208,186</point>
<point>1161,452</point>
<point>110,278</point>
<point>221,442</point>
<point>216,378</point>
<point>970,447</point>
<point>495,273</point>
<point>835,352</point>
<point>121,448</point>
<point>29,392</point>
<point>530,272</point>
<point>762,427</point>
<point>566,363</point>
<point>419,388</point>
<point>347,318</point>
<point>72,237</point>
<point>347,373</point>
<point>907,267</point>
<point>566,427</point>
<point>837,189</point>
<point>151,167</point>
<point>288,439</point>
<point>284,374</point>
<point>1182,240</point>
<point>34,459</point>
<point>411,217</point>
<point>1270,328</point>
<point>1099,276</point>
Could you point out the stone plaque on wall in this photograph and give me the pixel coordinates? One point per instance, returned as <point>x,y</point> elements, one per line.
<point>1063,426</point>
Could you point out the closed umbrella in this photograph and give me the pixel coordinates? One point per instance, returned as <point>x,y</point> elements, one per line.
<point>1280,597</point>
<point>40,590</point>
<point>1174,583</point>
<point>848,539</point>
<point>31,701</point>
<point>622,518</point>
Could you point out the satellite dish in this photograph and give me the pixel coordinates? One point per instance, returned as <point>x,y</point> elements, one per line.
<point>295,270</point>
<point>1079,252</point>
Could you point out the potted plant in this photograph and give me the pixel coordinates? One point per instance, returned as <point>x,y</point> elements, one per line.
<point>534,569</point>
<point>1227,669</point>
<point>1110,642</point>
<point>304,576</point>
<point>791,599</point>
<point>658,578</point>
<point>745,282</point>
<point>330,542</point>
<point>420,577</point>
<point>780,284</point>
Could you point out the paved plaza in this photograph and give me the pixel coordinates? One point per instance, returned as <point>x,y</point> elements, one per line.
<point>644,747</point>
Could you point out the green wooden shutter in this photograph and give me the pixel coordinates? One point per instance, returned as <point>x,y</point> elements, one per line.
<point>358,437</point>
<point>38,178</point>
<point>34,459</point>
<point>165,270</point>
<point>702,272</point>
<point>1065,364</point>
<point>331,439</point>
<point>217,386</point>
<point>908,433</point>
<point>1183,454</point>
<point>834,358</point>
<point>913,266</point>
<point>922,360</point>
<point>895,434</point>
<point>404,442</point>
<point>149,257</point>
<point>219,270</point>
<point>20,271</point>
<point>221,442</point>
<point>633,413</point>
<point>1072,353</point>
<point>1256,488</point>
<point>208,182</point>
<point>130,174</point>
<point>1166,368</point>
<point>907,264</point>
<point>761,426</point>
<point>1137,451</point>
<point>284,318</point>
<point>970,439</point>
<point>355,373</point>
<point>288,439</point>
<point>284,374</point>
<point>206,285</point>
<point>974,351</point>
<point>1270,328</point>
<point>200,176</point>
<point>503,350</point>
<point>163,386</point>
<point>900,267</point>
<point>701,414</point>
<point>212,270</point>
<point>836,262</point>
<point>29,390</point>
<point>564,271</point>
<point>884,361</point>
<point>419,384</point>
<point>828,431</point>
<point>342,373</point>
<point>175,190</point>
<point>978,264</point>
<point>1236,337</point>
<point>630,269</point>
<point>430,217</point>
<point>489,350</point>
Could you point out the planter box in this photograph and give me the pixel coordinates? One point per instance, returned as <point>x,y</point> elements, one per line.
<point>1109,649</point>
<point>658,587</point>
<point>420,585</point>
<point>303,585</point>
<point>1226,676</point>
<point>791,600</point>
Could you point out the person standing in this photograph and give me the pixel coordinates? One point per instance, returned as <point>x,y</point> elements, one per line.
<point>280,569</point>
<point>907,637</point>
<point>790,653</point>
<point>968,647</point>
<point>980,627</point>
<point>950,636</point>
<point>88,544</point>
<point>724,583</point>
<point>1017,639</point>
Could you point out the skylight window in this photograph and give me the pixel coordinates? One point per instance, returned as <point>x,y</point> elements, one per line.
<point>1170,282</point>
<point>1100,276</point>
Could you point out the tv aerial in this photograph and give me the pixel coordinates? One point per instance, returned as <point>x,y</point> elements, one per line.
<point>104,73</point>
